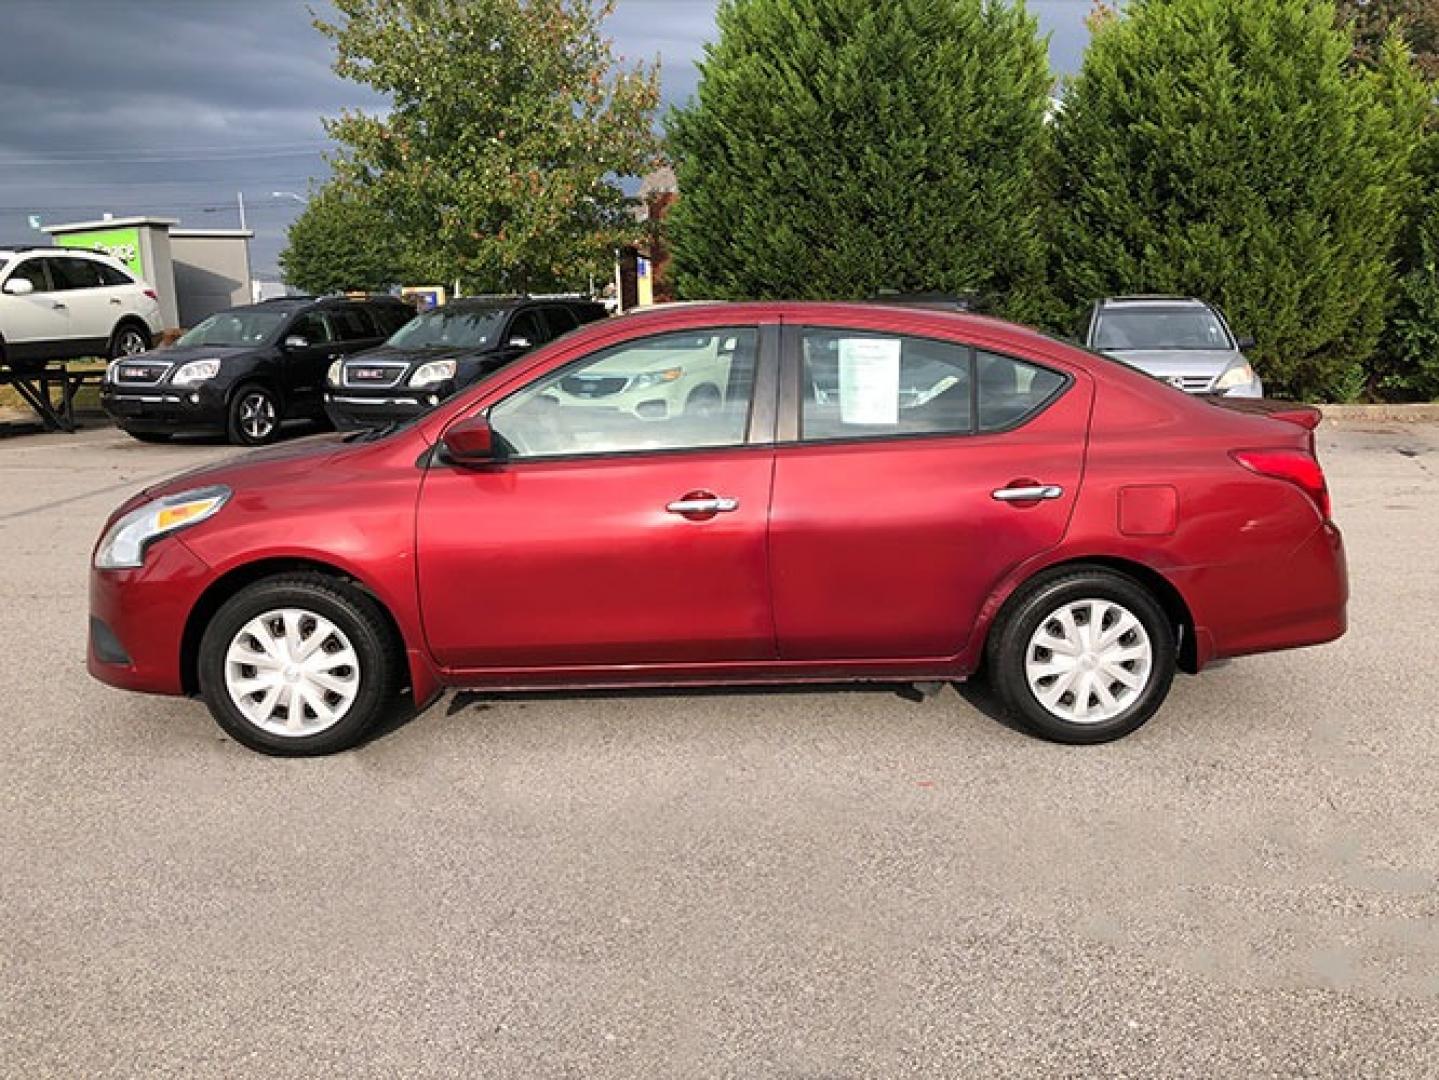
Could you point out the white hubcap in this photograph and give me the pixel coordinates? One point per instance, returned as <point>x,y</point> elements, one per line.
<point>1088,661</point>
<point>292,672</point>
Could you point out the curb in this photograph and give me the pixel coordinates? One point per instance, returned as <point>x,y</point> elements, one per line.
<point>1421,413</point>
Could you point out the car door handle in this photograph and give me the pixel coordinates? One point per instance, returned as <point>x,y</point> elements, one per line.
<point>716,505</point>
<point>1028,494</point>
<point>57,305</point>
<point>116,301</point>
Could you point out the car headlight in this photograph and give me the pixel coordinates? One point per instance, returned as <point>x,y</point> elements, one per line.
<point>196,371</point>
<point>1238,375</point>
<point>436,371</point>
<point>123,546</point>
<point>655,378</point>
<point>333,375</point>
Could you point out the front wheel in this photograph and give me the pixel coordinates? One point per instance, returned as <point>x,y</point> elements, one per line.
<point>298,665</point>
<point>254,417</point>
<point>1083,657</point>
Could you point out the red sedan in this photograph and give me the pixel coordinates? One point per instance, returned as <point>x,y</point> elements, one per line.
<point>746,493</point>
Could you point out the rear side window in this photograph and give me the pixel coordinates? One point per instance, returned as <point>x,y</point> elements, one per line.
<point>76,274</point>
<point>313,327</point>
<point>869,385</point>
<point>352,324</point>
<point>112,275</point>
<point>560,320</point>
<point>527,325</point>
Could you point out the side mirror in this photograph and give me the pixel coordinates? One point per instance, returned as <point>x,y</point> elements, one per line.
<point>470,442</point>
<point>519,343</point>
<point>1245,342</point>
<point>295,341</point>
<point>19,286</point>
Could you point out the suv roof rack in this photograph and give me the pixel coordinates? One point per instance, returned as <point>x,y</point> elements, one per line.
<point>940,301</point>
<point>1150,296</point>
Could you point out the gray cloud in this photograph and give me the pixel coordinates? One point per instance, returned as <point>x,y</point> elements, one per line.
<point>171,107</point>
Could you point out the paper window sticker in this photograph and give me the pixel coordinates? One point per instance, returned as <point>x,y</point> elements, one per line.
<point>869,380</point>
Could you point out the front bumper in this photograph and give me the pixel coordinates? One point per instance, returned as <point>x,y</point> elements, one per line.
<point>166,408</point>
<point>350,409</point>
<point>137,618</point>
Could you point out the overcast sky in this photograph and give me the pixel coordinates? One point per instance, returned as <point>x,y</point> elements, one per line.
<point>171,107</point>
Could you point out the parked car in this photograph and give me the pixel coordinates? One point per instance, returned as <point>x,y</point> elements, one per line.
<point>1177,338</point>
<point>443,351</point>
<point>68,304</point>
<point>970,494</point>
<point>247,370</point>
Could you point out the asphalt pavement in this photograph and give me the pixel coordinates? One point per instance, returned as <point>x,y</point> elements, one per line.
<point>804,883</point>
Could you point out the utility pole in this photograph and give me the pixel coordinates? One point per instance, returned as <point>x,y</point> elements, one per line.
<point>240,198</point>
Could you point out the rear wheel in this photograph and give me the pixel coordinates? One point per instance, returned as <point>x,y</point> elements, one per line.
<point>1083,657</point>
<point>298,665</point>
<point>254,417</point>
<point>128,340</point>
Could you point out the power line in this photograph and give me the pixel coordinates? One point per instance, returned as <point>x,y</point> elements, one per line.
<point>232,156</point>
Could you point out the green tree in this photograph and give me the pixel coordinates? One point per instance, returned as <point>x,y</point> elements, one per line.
<point>1372,21</point>
<point>340,242</point>
<point>838,148</point>
<point>511,122</point>
<point>1218,147</point>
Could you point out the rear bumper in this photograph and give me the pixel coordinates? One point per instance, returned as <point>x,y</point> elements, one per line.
<point>137,619</point>
<point>1255,607</point>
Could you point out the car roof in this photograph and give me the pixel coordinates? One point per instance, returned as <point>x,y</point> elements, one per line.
<point>1152,301</point>
<point>7,250</point>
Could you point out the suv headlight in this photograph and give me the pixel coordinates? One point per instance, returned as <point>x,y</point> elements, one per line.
<point>1238,375</point>
<point>196,371</point>
<point>333,375</point>
<point>124,543</point>
<point>436,371</point>
<point>655,378</point>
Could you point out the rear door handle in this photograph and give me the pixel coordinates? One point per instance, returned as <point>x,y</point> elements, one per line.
<point>1028,494</point>
<point>57,305</point>
<point>716,505</point>
<point>115,300</point>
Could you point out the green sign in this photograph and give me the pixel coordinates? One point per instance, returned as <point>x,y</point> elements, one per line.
<point>122,245</point>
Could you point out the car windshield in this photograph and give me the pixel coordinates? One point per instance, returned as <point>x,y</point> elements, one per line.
<point>234,328</point>
<point>1176,327</point>
<point>467,328</point>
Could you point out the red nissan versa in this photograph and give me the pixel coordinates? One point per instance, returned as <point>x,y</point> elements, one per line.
<point>746,493</point>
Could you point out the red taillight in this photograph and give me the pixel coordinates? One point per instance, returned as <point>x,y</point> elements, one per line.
<point>152,294</point>
<point>1296,466</point>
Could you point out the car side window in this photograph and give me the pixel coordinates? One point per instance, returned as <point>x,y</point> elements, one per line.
<point>113,276</point>
<point>870,385</point>
<point>313,327</point>
<point>561,320</point>
<point>1010,390</point>
<point>76,274</point>
<point>352,324</point>
<point>527,325</point>
<point>34,271</point>
<point>675,391</point>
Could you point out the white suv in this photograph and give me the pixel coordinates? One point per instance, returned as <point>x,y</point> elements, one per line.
<point>64,304</point>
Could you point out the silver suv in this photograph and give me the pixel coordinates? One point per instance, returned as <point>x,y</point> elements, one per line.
<point>1176,338</point>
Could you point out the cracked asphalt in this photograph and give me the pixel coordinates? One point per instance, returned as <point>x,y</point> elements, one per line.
<point>815,883</point>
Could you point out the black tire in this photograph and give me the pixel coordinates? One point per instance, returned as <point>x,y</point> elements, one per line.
<point>148,436</point>
<point>246,423</point>
<point>1040,603</point>
<point>704,402</point>
<point>129,339</point>
<point>356,615</point>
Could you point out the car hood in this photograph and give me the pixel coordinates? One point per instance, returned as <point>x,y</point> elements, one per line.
<point>300,457</point>
<point>391,353</point>
<point>179,354</point>
<point>1166,362</point>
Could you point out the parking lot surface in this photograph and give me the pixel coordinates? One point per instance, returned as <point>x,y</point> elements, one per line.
<point>816,883</point>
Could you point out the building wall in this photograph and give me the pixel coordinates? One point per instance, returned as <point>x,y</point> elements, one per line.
<point>212,273</point>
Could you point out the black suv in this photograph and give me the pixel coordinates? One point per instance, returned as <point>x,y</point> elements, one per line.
<point>246,370</point>
<point>442,351</point>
